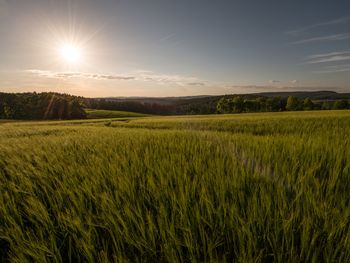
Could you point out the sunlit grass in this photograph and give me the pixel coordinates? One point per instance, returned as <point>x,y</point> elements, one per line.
<point>245,188</point>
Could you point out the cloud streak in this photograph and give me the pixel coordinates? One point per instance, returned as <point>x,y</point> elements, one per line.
<point>273,81</point>
<point>328,57</point>
<point>335,37</point>
<point>334,69</point>
<point>341,20</point>
<point>68,75</point>
<point>266,88</point>
<point>196,84</point>
<point>147,76</point>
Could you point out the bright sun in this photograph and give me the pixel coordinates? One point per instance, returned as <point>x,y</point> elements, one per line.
<point>71,53</point>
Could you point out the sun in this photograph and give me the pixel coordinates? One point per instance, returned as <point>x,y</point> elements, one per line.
<point>71,54</point>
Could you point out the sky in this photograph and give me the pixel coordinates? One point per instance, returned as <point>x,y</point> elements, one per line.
<point>99,48</point>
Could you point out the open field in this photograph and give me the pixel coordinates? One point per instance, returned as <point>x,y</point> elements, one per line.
<point>245,188</point>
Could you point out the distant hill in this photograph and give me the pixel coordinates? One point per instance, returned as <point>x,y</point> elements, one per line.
<point>204,104</point>
<point>314,95</point>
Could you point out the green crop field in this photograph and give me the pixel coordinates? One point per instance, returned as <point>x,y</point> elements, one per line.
<point>265,187</point>
<point>98,114</point>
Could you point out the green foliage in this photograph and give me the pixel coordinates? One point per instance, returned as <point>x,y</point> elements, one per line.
<point>308,104</point>
<point>341,105</point>
<point>227,188</point>
<point>292,103</point>
<point>239,104</point>
<point>34,106</point>
<point>327,105</point>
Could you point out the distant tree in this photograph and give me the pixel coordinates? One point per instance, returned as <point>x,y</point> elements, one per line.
<point>251,106</point>
<point>40,106</point>
<point>237,104</point>
<point>278,104</point>
<point>75,111</point>
<point>292,103</point>
<point>261,103</point>
<point>223,106</point>
<point>341,105</point>
<point>326,105</point>
<point>308,104</point>
<point>9,112</point>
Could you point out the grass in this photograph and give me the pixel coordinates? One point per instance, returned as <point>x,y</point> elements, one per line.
<point>268,187</point>
<point>103,114</point>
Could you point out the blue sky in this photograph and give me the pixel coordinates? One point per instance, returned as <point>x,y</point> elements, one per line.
<point>175,48</point>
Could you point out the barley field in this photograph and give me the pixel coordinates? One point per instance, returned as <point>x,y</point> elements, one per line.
<point>265,187</point>
<point>103,114</point>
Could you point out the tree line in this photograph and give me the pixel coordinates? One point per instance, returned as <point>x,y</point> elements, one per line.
<point>50,105</point>
<point>36,106</point>
<point>129,105</point>
<point>239,104</point>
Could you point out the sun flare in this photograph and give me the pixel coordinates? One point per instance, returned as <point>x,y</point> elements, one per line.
<point>71,53</point>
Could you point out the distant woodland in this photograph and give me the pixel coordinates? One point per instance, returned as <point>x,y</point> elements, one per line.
<point>57,106</point>
<point>36,106</point>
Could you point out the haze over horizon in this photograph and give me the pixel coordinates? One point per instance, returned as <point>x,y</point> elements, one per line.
<point>161,48</point>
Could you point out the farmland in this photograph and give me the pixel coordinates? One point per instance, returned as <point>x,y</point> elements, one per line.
<point>257,187</point>
<point>103,114</point>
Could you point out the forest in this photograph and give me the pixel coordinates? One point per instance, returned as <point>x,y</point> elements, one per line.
<point>36,106</point>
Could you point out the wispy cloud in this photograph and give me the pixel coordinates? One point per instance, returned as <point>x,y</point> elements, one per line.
<point>167,78</point>
<point>335,37</point>
<point>265,88</point>
<point>147,76</point>
<point>273,81</point>
<point>67,75</point>
<point>328,57</point>
<point>167,37</point>
<point>196,84</point>
<point>341,20</point>
<point>334,69</point>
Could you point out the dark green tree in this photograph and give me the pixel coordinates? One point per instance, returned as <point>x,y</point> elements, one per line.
<point>308,104</point>
<point>292,103</point>
<point>326,105</point>
<point>341,105</point>
<point>237,104</point>
<point>223,106</point>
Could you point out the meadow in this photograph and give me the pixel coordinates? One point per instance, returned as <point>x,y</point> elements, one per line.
<point>263,187</point>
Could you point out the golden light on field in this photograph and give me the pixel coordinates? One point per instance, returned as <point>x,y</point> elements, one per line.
<point>71,53</point>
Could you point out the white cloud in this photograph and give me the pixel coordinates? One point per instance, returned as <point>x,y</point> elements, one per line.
<point>341,20</point>
<point>273,81</point>
<point>67,75</point>
<point>328,54</point>
<point>335,37</point>
<point>334,69</point>
<point>140,75</point>
<point>328,57</point>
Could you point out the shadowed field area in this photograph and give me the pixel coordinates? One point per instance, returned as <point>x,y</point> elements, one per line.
<point>247,188</point>
<point>98,114</point>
